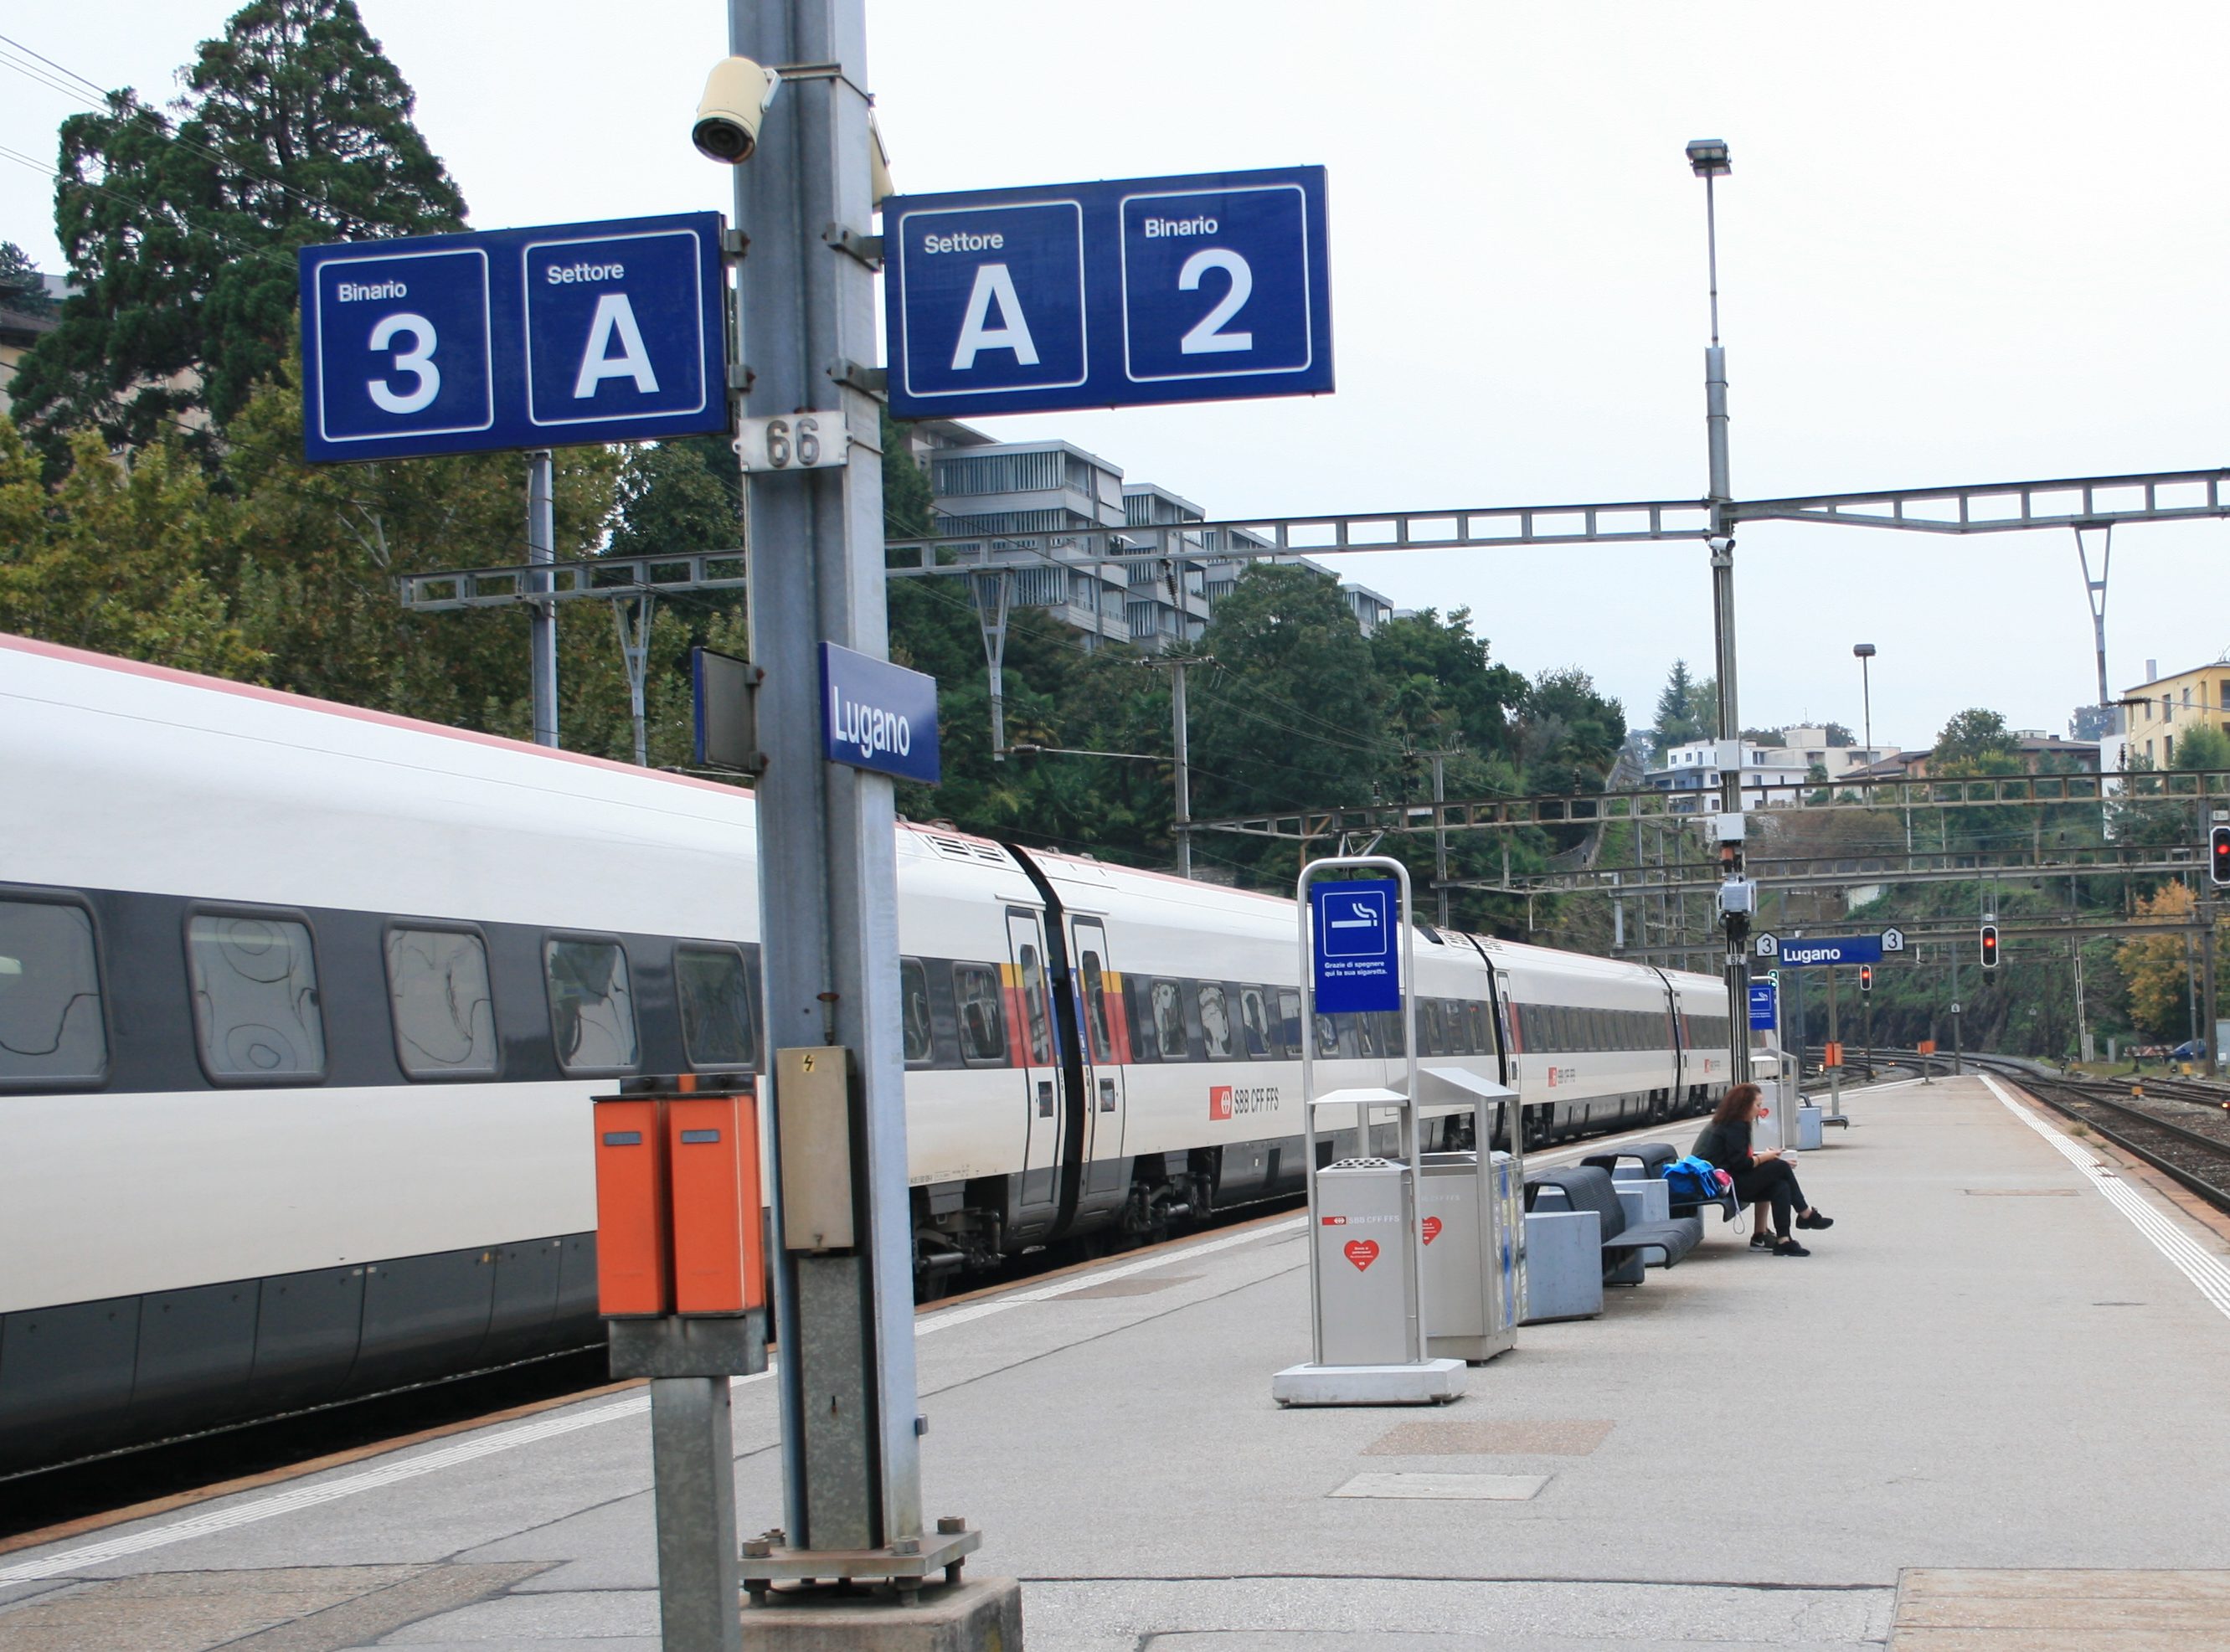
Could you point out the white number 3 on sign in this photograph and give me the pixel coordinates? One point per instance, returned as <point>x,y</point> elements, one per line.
<point>417,361</point>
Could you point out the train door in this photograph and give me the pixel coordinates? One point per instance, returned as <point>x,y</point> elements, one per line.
<point>1029,1001</point>
<point>1099,1009</point>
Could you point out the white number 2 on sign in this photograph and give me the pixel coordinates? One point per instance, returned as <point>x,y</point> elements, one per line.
<point>800,441</point>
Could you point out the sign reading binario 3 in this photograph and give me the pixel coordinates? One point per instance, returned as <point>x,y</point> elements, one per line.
<point>878,716</point>
<point>1124,292</point>
<point>510,338</point>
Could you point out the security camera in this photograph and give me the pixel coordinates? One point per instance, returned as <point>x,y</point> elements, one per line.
<point>737,95</point>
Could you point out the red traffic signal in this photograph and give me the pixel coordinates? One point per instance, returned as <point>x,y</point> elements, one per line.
<point>1865,978</point>
<point>1989,946</point>
<point>2218,854</point>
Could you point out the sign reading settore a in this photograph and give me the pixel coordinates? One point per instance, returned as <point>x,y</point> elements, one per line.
<point>1357,927</point>
<point>878,716</point>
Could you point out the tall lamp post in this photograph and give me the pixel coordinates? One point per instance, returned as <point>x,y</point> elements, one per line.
<point>1708,158</point>
<point>1864,651</point>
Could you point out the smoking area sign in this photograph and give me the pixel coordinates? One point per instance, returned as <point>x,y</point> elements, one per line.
<point>1356,927</point>
<point>1763,1014</point>
<point>1121,292</point>
<point>511,338</point>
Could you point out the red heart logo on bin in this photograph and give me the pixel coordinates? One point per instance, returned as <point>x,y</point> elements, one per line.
<point>1432,1226</point>
<point>1362,1252</point>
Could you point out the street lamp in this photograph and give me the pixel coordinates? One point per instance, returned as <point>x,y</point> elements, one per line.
<point>1864,651</point>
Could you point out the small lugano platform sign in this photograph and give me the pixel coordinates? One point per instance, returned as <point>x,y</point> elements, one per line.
<point>877,716</point>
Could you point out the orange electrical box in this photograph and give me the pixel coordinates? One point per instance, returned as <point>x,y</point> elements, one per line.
<point>712,1161</point>
<point>633,1270</point>
<point>1926,1046</point>
<point>1833,1057</point>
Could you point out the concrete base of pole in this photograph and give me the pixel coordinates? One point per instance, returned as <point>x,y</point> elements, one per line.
<point>982,1615</point>
<point>1428,1382</point>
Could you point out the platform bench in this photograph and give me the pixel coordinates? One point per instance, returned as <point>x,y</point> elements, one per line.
<point>1588,1187</point>
<point>1648,1160</point>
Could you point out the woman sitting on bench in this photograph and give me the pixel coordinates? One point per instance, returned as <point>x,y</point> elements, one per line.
<point>1760,1178</point>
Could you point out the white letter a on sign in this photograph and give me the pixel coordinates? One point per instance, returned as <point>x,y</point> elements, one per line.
<point>615,315</point>
<point>993,285</point>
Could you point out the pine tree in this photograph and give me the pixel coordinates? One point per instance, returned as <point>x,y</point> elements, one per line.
<point>181,234</point>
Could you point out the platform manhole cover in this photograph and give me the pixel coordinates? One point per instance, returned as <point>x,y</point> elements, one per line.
<point>1517,1437</point>
<point>1492,1488</point>
<point>1124,1288</point>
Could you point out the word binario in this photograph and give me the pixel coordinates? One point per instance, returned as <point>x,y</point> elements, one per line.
<point>353,291</point>
<point>1157,228</point>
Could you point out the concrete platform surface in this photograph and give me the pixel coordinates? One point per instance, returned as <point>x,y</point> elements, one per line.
<point>1985,1413</point>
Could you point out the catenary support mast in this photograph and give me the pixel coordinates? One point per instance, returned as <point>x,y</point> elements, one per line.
<point>844,1320</point>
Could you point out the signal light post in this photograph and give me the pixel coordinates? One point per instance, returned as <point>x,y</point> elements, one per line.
<point>1866,1011</point>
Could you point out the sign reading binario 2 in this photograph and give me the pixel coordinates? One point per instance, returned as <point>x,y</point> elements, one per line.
<point>878,716</point>
<point>1090,295</point>
<point>509,339</point>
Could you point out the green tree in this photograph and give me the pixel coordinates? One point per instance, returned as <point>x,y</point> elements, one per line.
<point>2202,746</point>
<point>1571,732</point>
<point>1439,686</point>
<point>1680,710</point>
<point>295,128</point>
<point>1974,737</point>
<point>113,558</point>
<point>21,287</point>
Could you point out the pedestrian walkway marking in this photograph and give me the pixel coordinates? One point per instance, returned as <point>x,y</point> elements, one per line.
<point>2194,1263</point>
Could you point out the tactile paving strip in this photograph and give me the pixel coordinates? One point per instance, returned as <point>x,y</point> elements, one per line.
<point>2025,1610</point>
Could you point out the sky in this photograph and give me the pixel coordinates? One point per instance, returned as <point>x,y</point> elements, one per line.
<point>1963,243</point>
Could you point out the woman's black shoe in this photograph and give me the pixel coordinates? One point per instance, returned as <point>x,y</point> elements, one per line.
<point>1761,1242</point>
<point>1790,1248</point>
<point>1815,1220</point>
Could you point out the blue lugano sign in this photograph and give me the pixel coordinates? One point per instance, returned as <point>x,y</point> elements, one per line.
<point>878,716</point>
<point>1121,292</point>
<point>507,338</point>
<point>1356,929</point>
<point>1854,949</point>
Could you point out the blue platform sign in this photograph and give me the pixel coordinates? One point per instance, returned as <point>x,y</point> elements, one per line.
<point>512,338</point>
<point>1762,1016</point>
<point>1120,293</point>
<point>1854,949</point>
<point>1357,928</point>
<point>878,716</point>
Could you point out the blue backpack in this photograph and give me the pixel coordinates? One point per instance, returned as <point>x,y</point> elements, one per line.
<point>1691,1181</point>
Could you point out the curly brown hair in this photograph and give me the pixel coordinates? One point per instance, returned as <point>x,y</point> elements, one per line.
<point>1735,1103</point>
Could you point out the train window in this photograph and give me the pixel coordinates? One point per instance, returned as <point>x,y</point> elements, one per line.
<point>437,987</point>
<point>255,998</point>
<point>591,1005</point>
<point>1289,1021</point>
<point>1168,1021</point>
<point>1215,1019</point>
<point>717,1026</point>
<point>1453,1019</point>
<point>1327,1035</point>
<point>913,1000</point>
<point>1034,1005</point>
<point>1254,1021</point>
<point>1366,1034</point>
<point>982,1028</point>
<point>1428,1028</point>
<point>1394,1033</point>
<point>1095,1003</point>
<point>51,1023</point>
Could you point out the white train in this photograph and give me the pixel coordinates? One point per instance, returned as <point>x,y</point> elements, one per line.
<point>301,1006</point>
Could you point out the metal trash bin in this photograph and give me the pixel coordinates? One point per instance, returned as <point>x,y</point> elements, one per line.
<point>1361,1225</point>
<point>1474,1285</point>
<point>1810,1134</point>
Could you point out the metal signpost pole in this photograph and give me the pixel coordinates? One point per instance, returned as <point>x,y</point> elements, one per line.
<point>542,546</point>
<point>828,879</point>
<point>1709,159</point>
<point>1179,738</point>
<point>1835,1038</point>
